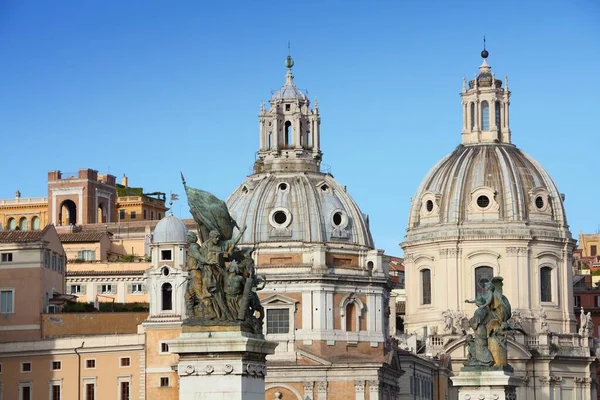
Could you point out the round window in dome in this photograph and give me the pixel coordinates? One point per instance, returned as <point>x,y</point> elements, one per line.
<point>324,188</point>
<point>283,186</point>
<point>165,271</point>
<point>279,217</point>
<point>539,202</point>
<point>429,205</point>
<point>337,218</point>
<point>483,201</point>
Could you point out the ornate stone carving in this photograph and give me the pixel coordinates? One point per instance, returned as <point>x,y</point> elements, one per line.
<point>322,387</point>
<point>209,369</point>
<point>516,251</point>
<point>228,368</point>
<point>373,386</point>
<point>359,386</point>
<point>450,253</point>
<point>544,328</point>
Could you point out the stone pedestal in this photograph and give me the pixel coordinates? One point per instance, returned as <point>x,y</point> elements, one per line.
<point>221,362</point>
<point>484,384</point>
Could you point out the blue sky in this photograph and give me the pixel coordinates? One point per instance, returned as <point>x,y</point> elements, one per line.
<point>149,88</point>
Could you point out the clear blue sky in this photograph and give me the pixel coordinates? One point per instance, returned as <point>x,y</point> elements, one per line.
<point>149,88</point>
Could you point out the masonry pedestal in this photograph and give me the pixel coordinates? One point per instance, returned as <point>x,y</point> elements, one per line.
<point>476,384</point>
<point>221,362</point>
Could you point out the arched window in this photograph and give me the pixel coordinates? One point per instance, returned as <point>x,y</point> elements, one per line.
<point>35,223</point>
<point>288,133</point>
<point>546,284</point>
<point>485,116</point>
<point>12,224</point>
<point>270,140</point>
<point>23,224</point>
<point>426,286</point>
<point>351,318</point>
<point>483,275</point>
<point>308,141</point>
<point>498,115</point>
<point>472,116</point>
<point>167,297</point>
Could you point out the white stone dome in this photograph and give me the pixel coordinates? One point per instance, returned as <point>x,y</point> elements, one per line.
<point>307,207</point>
<point>170,229</point>
<point>487,182</point>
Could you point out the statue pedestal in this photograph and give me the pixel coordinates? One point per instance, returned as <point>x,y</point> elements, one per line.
<point>486,384</point>
<point>221,362</point>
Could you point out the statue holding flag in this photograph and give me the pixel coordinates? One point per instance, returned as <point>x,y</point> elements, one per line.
<point>222,286</point>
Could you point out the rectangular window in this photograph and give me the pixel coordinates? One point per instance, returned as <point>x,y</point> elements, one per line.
<point>90,364</point>
<point>426,286</point>
<point>7,257</point>
<point>90,391</point>
<point>56,365</point>
<point>132,215</point>
<point>577,301</point>
<point>0,368</point>
<point>145,214</point>
<point>124,391</point>
<point>75,289</point>
<point>121,214</point>
<point>86,255</point>
<point>597,301</point>
<point>159,216</point>
<point>61,263</point>
<point>125,362</point>
<point>151,215</point>
<point>25,392</point>
<point>25,367</point>
<point>7,301</point>
<point>136,288</point>
<point>164,348</point>
<point>164,381</point>
<point>166,255</point>
<point>53,262</point>
<point>106,289</point>
<point>56,392</point>
<point>593,250</point>
<point>278,320</point>
<point>47,259</point>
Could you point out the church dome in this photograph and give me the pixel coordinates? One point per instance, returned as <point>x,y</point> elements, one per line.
<point>170,229</point>
<point>307,207</point>
<point>487,182</point>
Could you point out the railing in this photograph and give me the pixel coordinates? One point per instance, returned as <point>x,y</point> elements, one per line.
<point>24,200</point>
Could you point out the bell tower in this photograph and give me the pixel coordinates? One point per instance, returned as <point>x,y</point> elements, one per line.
<point>289,130</point>
<point>485,106</point>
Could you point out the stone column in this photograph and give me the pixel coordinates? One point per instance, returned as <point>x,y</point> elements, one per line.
<point>221,362</point>
<point>359,390</point>
<point>486,384</point>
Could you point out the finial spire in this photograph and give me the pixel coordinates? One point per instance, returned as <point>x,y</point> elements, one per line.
<point>484,53</point>
<point>289,63</point>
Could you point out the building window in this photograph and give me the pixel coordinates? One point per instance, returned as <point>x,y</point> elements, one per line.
<point>287,107</point>
<point>0,368</point>
<point>483,275</point>
<point>47,259</point>
<point>121,214</point>
<point>75,289</point>
<point>35,223</point>
<point>593,250</point>
<point>56,365</point>
<point>164,348</point>
<point>278,320</point>
<point>136,288</point>
<point>124,391</point>
<point>288,134</point>
<point>7,303</point>
<point>90,391</point>
<point>145,214</point>
<point>61,263</point>
<point>12,224</point>
<point>472,116</point>
<point>86,255</point>
<point>132,215</point>
<point>546,284</point>
<point>25,367</point>
<point>107,289</point>
<point>426,286</point>
<point>497,112</point>
<point>151,215</point>
<point>53,262</point>
<point>351,318</point>
<point>164,381</point>
<point>25,391</point>
<point>270,140</point>
<point>23,224</point>
<point>577,301</point>
<point>7,257</point>
<point>125,361</point>
<point>597,301</point>
<point>485,116</point>
<point>90,364</point>
<point>167,299</point>
<point>166,255</point>
<point>56,392</point>
<point>159,216</point>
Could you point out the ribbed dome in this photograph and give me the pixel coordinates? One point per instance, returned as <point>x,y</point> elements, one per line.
<point>487,182</point>
<point>170,229</point>
<point>305,207</point>
<point>288,92</point>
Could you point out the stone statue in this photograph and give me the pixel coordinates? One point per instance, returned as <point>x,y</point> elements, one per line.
<point>487,346</point>
<point>448,321</point>
<point>586,326</point>
<point>222,277</point>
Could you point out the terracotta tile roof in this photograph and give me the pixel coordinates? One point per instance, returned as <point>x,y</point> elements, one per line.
<point>23,236</point>
<point>82,236</point>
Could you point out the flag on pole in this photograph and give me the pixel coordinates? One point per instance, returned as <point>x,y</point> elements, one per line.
<point>174,196</point>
